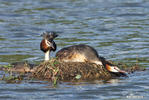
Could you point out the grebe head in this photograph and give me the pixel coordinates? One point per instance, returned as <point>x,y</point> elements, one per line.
<point>48,44</point>
<point>114,69</point>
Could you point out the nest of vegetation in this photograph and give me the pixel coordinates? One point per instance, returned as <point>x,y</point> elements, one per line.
<point>54,71</point>
<point>71,71</point>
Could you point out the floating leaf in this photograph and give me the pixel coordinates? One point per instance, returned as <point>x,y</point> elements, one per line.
<point>78,76</point>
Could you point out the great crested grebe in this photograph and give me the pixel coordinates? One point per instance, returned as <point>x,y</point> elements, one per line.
<point>75,53</point>
<point>47,44</point>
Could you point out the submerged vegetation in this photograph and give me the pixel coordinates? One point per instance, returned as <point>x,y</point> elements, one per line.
<point>12,78</point>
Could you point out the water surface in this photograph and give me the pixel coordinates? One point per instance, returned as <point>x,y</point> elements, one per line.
<point>118,29</point>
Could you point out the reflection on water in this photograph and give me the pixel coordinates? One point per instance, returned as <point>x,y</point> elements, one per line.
<point>118,29</point>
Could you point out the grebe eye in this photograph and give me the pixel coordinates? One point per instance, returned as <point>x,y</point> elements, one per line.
<point>50,40</point>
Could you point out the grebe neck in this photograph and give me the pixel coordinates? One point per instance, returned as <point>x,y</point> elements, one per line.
<point>47,55</point>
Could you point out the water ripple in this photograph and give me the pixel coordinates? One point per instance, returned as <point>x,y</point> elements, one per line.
<point>117,29</point>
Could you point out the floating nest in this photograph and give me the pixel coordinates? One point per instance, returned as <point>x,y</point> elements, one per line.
<point>72,71</point>
<point>54,70</point>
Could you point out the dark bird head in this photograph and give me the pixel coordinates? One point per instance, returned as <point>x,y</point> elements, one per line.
<point>47,42</point>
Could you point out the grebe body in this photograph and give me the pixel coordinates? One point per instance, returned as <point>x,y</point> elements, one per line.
<point>85,53</point>
<point>79,53</point>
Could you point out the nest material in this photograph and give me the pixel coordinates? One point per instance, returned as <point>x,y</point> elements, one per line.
<point>63,71</point>
<point>54,70</point>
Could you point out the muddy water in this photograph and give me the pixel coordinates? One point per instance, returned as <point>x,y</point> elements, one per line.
<point>118,29</point>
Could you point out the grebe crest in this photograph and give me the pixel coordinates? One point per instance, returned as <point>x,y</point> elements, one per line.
<point>47,44</point>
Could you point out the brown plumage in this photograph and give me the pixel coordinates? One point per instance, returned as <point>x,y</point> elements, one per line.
<point>78,53</point>
<point>43,46</point>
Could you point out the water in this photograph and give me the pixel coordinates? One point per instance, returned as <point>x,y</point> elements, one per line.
<point>118,29</point>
